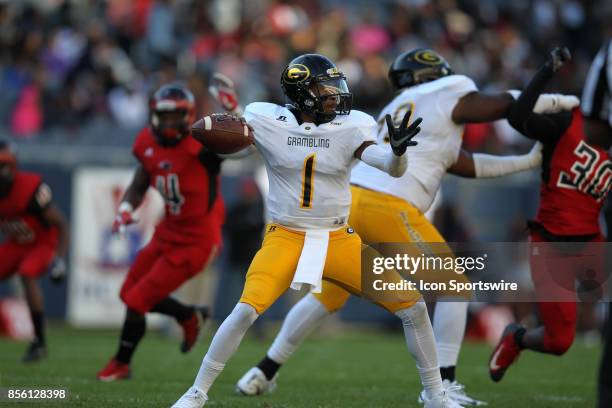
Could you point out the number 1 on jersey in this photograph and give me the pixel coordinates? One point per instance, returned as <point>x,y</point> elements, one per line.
<point>307,186</point>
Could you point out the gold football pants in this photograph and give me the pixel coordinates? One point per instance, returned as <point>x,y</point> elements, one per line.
<point>383,218</point>
<point>274,265</point>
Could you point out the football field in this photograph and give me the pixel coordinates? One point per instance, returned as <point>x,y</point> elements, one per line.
<point>349,369</point>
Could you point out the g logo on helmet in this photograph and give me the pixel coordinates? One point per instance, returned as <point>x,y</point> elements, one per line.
<point>296,73</point>
<point>428,57</point>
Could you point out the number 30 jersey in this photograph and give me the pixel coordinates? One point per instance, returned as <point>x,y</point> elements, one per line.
<point>187,177</point>
<point>439,141</point>
<point>308,166</point>
<point>576,178</point>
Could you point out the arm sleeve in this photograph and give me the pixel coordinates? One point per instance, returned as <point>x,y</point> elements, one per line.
<point>365,127</point>
<point>385,160</point>
<point>487,165</point>
<point>253,121</point>
<point>544,128</point>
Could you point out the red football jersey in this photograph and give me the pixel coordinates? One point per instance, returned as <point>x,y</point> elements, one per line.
<point>576,180</point>
<point>20,219</point>
<point>188,180</point>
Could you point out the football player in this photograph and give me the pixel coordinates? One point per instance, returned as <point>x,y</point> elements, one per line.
<point>308,148</point>
<point>36,239</point>
<point>576,178</point>
<point>387,209</point>
<point>186,240</point>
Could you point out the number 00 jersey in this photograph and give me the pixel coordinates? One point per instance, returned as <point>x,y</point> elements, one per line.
<point>576,178</point>
<point>187,177</point>
<point>439,141</point>
<point>308,166</point>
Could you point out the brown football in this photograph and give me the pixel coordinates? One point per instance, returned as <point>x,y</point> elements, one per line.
<point>222,133</point>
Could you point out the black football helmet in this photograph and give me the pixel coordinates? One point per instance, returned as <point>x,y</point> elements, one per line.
<point>314,85</point>
<point>172,111</point>
<point>417,66</point>
<point>8,166</point>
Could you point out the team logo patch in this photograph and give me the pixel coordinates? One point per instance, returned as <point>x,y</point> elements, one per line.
<point>296,73</point>
<point>428,57</point>
<point>349,230</point>
<point>165,165</point>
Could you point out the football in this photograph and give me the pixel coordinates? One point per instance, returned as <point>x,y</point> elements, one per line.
<point>222,133</point>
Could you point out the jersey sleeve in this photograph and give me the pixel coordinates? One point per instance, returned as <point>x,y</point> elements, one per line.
<point>366,131</point>
<point>458,88</point>
<point>41,199</point>
<point>258,115</point>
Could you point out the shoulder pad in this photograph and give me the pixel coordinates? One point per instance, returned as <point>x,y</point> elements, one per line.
<point>264,109</point>
<point>356,118</point>
<point>143,140</point>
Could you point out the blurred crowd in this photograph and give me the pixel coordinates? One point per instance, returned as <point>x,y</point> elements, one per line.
<point>75,68</point>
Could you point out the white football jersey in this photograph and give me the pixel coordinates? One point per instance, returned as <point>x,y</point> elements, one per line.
<point>439,141</point>
<point>308,166</point>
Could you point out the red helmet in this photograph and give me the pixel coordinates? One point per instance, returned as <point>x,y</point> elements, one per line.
<point>172,111</point>
<point>8,165</point>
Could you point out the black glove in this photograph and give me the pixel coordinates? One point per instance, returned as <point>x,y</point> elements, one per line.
<point>57,270</point>
<point>400,138</point>
<point>557,58</point>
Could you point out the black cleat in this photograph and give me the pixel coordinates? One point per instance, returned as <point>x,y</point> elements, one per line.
<point>36,352</point>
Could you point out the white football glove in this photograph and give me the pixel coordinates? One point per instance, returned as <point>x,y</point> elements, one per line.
<point>551,103</point>
<point>223,90</point>
<point>555,103</point>
<point>57,270</point>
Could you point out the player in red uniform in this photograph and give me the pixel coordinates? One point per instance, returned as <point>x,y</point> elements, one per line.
<point>186,240</point>
<point>576,178</point>
<point>36,238</point>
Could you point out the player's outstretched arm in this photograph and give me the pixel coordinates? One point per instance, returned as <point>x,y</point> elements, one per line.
<point>44,208</point>
<point>479,165</point>
<point>53,216</point>
<point>544,128</point>
<point>137,189</point>
<point>131,200</point>
<point>479,107</point>
<point>395,162</point>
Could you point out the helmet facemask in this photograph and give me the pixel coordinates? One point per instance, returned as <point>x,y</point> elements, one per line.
<point>170,126</point>
<point>329,97</point>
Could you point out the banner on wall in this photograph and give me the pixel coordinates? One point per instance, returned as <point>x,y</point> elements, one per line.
<point>99,259</point>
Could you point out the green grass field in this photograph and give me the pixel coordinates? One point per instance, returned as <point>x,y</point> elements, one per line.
<point>353,369</point>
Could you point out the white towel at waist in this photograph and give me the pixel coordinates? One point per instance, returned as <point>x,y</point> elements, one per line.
<point>312,261</point>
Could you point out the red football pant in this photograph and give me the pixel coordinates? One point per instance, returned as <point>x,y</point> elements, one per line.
<point>30,260</point>
<point>553,279</point>
<point>160,268</point>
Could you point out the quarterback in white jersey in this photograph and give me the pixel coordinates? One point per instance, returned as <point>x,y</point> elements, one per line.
<point>390,209</point>
<point>309,149</point>
<point>308,163</point>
